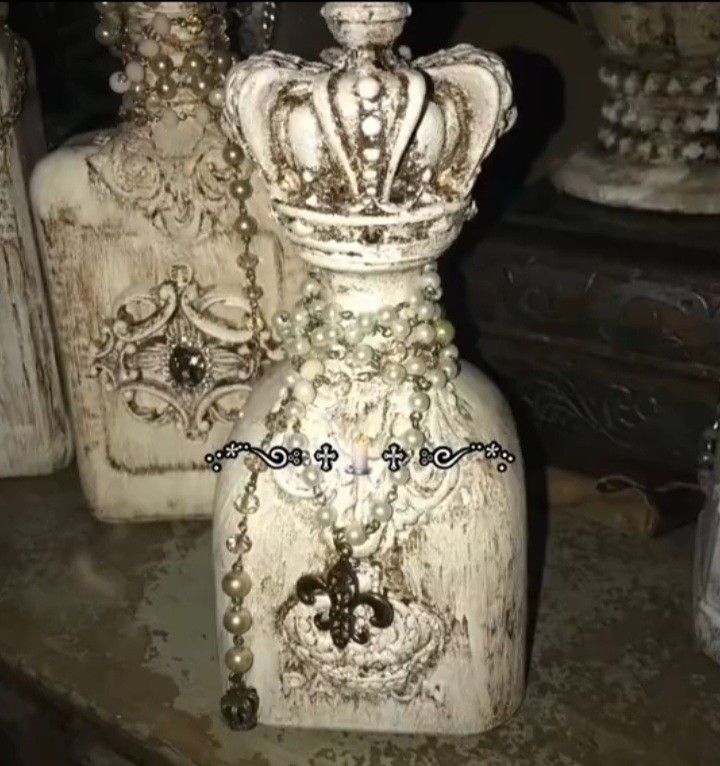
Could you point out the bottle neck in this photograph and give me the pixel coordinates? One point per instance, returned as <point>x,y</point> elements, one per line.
<point>174,57</point>
<point>368,292</point>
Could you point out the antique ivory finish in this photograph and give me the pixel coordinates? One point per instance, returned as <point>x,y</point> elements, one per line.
<point>138,233</point>
<point>657,145</point>
<point>370,171</point>
<point>34,429</point>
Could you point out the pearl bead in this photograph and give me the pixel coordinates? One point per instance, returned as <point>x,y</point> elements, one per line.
<point>232,154</point>
<point>371,126</point>
<point>367,87</point>
<point>430,279</point>
<point>362,355</point>
<point>216,98</point>
<point>166,87</point>
<point>291,378</point>
<point>400,329</point>
<point>304,392</point>
<point>366,322</point>
<point>119,82</point>
<point>246,226</point>
<point>382,511</point>
<point>426,311</point>
<point>296,441</point>
<point>311,369</point>
<point>148,48</point>
<point>301,316</point>
<point>449,352</point>
<point>332,334</point>
<point>354,334</point>
<point>222,60</point>
<point>135,71</point>
<point>413,439</point>
<point>393,373</point>
<point>355,534</point>
<point>161,24</point>
<point>301,346</point>
<point>237,620</point>
<point>136,88</point>
<point>193,64</point>
<point>106,34</point>
<point>436,378</point>
<point>445,331</point>
<point>295,409</point>
<point>416,299</point>
<point>311,475</point>
<point>311,288</point>
<point>386,315</point>
<point>319,337</point>
<point>239,659</point>
<point>450,368</point>
<point>236,584</point>
<point>161,65</point>
<point>419,401</point>
<point>326,516</point>
<point>333,312</point>
<point>200,86</point>
<point>401,476</point>
<point>240,188</point>
<point>425,333</point>
<point>416,366</point>
<point>317,308</point>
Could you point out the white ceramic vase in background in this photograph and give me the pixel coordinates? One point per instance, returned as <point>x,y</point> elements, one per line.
<point>141,241</point>
<point>380,600</point>
<point>658,142</point>
<point>34,429</point>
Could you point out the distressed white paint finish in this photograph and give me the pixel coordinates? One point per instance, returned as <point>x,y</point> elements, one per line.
<point>34,429</point>
<point>657,144</point>
<point>454,556</point>
<point>117,214</point>
<point>707,572</point>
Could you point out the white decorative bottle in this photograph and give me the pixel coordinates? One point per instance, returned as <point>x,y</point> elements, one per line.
<point>370,530</point>
<point>162,263</point>
<point>34,429</point>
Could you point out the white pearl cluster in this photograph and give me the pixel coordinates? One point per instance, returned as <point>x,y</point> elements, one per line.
<point>409,344</point>
<point>151,79</point>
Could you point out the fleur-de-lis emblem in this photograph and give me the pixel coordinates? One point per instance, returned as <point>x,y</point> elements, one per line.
<point>395,456</point>
<point>326,456</point>
<point>341,585</point>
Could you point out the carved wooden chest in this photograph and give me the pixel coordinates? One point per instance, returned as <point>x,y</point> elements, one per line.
<point>602,325</point>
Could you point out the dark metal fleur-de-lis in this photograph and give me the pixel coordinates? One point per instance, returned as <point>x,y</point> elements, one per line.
<point>341,585</point>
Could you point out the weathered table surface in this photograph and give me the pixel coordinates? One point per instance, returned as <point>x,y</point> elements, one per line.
<point>116,622</point>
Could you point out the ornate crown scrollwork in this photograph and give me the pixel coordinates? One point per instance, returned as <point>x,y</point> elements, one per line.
<point>181,353</point>
<point>370,149</point>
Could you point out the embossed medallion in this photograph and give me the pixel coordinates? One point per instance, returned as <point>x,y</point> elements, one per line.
<point>174,358</point>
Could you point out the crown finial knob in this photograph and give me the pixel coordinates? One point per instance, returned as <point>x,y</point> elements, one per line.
<point>365,25</point>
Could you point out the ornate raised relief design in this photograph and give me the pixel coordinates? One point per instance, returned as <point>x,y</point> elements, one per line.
<point>182,353</point>
<point>184,194</point>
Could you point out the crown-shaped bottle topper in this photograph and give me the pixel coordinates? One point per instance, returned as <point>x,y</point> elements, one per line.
<point>369,157</point>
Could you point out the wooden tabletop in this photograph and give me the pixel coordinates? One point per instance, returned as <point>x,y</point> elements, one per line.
<point>116,625</point>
